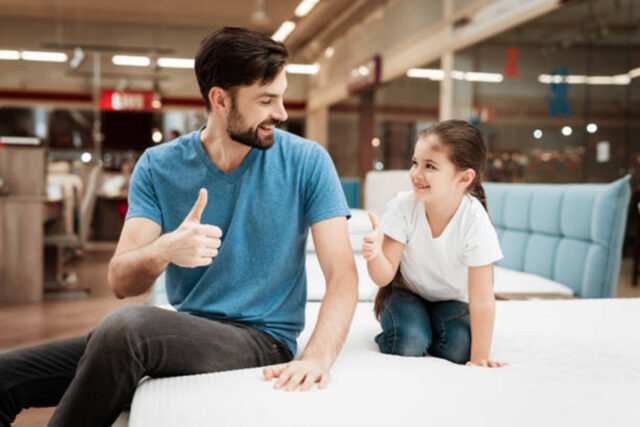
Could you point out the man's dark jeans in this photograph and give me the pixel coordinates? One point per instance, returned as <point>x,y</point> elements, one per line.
<point>93,378</point>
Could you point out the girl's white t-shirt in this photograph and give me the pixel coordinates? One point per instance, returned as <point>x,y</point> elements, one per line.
<point>436,268</point>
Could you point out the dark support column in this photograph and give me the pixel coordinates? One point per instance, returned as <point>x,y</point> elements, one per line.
<point>365,112</point>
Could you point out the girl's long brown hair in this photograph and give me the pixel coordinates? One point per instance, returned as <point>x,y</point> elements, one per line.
<point>466,151</point>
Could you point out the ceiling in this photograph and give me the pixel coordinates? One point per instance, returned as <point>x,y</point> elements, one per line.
<point>143,27</point>
<point>264,15</point>
<point>604,23</point>
<point>175,28</point>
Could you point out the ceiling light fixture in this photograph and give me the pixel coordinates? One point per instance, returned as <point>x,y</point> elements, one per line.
<point>283,32</point>
<point>470,76</point>
<point>176,62</point>
<point>32,55</point>
<point>302,68</point>
<point>305,7</point>
<point>10,55</point>
<point>131,61</point>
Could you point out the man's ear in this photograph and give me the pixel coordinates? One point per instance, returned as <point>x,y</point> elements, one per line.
<point>220,100</point>
<point>467,176</point>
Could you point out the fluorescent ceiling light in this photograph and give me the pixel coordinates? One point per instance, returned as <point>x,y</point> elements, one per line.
<point>132,61</point>
<point>470,76</point>
<point>622,79</point>
<point>573,79</point>
<point>302,68</point>
<point>305,7</point>
<point>425,73</point>
<point>30,55</point>
<point>545,78</point>
<point>176,62</point>
<point>9,54</point>
<point>283,32</point>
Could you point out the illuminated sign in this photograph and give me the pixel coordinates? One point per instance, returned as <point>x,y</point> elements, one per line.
<point>117,100</point>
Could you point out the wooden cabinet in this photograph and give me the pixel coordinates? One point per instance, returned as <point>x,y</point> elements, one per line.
<point>21,224</point>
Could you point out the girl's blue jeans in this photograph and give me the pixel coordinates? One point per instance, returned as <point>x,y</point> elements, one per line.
<point>413,326</point>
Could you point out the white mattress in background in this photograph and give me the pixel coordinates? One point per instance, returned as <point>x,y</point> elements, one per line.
<point>571,363</point>
<point>516,282</point>
<point>505,281</point>
<point>316,284</point>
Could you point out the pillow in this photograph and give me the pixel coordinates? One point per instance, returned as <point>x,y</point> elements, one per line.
<point>358,226</point>
<point>316,285</point>
<point>359,222</point>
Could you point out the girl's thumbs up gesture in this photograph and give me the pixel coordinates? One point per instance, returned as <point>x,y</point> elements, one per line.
<point>372,242</point>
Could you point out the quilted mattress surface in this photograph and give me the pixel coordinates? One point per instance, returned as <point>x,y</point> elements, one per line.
<point>571,362</point>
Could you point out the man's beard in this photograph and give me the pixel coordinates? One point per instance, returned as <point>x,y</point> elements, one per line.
<point>250,136</point>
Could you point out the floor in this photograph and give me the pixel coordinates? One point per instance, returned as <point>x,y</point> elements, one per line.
<point>29,324</point>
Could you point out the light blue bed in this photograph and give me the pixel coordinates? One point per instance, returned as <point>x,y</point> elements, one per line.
<point>569,233</point>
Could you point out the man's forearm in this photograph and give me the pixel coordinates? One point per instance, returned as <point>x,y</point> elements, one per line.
<point>334,320</point>
<point>133,272</point>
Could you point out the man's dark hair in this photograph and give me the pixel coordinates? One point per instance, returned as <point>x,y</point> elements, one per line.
<point>231,57</point>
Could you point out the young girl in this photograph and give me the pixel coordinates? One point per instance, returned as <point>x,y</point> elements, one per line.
<point>440,299</point>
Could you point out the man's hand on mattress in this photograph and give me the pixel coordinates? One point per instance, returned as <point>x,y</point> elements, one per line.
<point>298,373</point>
<point>193,244</point>
<point>487,363</point>
<point>372,242</point>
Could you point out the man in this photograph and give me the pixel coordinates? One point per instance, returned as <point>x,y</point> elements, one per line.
<point>225,211</point>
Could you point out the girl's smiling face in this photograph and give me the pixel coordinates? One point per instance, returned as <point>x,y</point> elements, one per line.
<point>432,174</point>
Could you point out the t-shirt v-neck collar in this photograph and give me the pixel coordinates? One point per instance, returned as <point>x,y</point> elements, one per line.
<point>219,173</point>
<point>448,226</point>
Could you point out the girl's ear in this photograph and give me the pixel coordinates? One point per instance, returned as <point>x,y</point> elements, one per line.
<point>467,176</point>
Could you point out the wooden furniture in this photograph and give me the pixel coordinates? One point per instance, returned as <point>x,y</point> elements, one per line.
<point>21,223</point>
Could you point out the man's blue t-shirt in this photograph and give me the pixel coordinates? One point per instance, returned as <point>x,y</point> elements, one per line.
<point>264,208</point>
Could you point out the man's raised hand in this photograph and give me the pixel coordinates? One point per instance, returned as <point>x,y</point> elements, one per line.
<point>194,244</point>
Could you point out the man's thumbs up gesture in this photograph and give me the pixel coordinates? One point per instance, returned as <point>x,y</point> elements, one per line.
<point>372,242</point>
<point>194,244</point>
<point>198,208</point>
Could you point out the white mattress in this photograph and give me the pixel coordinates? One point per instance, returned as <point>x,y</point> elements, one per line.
<point>505,281</point>
<point>571,362</point>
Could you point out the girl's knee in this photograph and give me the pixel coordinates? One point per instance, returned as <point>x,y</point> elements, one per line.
<point>409,342</point>
<point>457,348</point>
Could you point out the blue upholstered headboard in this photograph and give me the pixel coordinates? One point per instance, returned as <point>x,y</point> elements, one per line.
<point>570,233</point>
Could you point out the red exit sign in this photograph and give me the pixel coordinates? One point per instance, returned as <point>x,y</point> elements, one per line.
<point>128,100</point>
